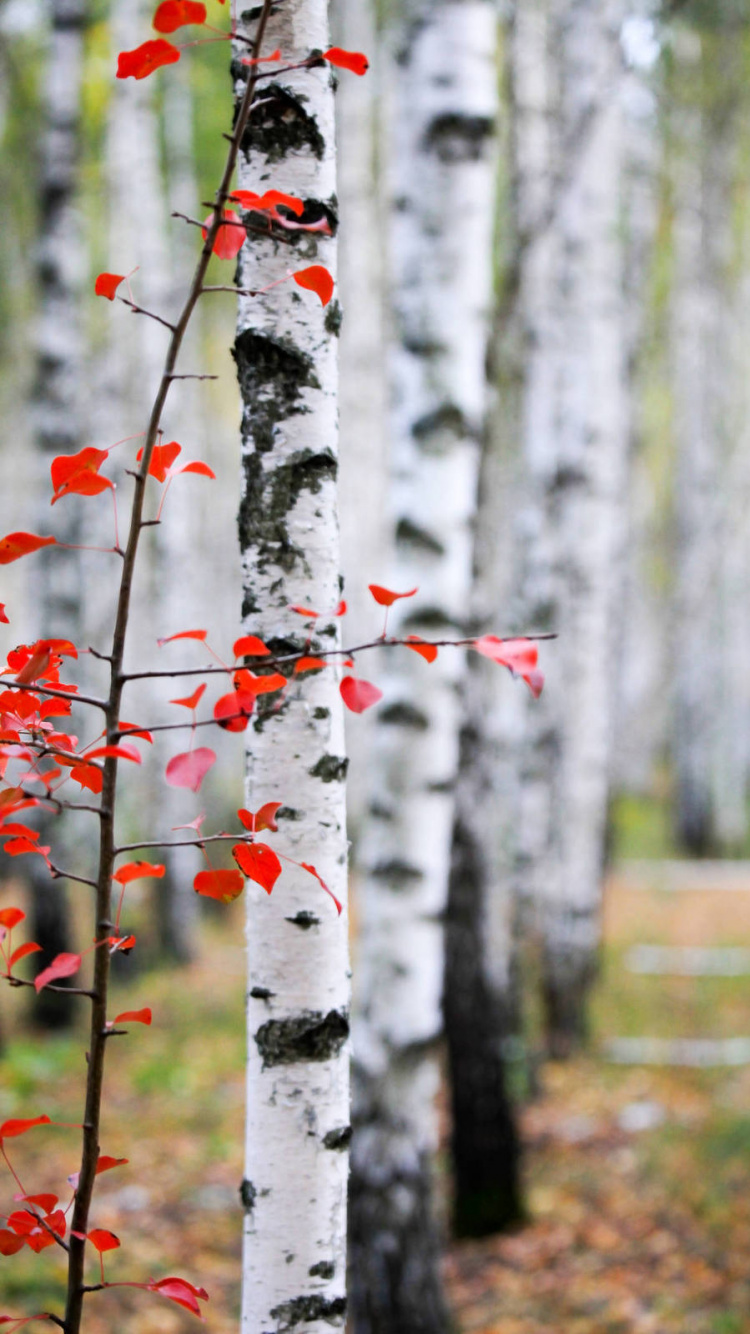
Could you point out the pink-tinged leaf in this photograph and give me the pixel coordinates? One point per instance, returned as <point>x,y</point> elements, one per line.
<point>9,1129</point>
<point>180,1291</point>
<point>422,647</point>
<point>3,617</point>
<point>354,61</point>
<point>134,1017</point>
<point>519,655</point>
<point>190,768</point>
<point>259,60</point>
<point>144,59</point>
<point>10,917</point>
<point>103,1241</point>
<point>535,682</point>
<point>121,752</point>
<point>359,695</point>
<point>311,871</point>
<point>222,885</point>
<point>259,863</point>
<point>23,951</point>
<point>263,818</point>
<point>15,545</point>
<point>107,284</point>
<point>193,824</point>
<point>197,466</point>
<point>230,237</point>
<point>201,635</point>
<point>139,871</point>
<point>385,597</point>
<point>65,965</point>
<point>191,701</point>
<point>316,279</point>
<point>249,646</point>
<point>174,14</point>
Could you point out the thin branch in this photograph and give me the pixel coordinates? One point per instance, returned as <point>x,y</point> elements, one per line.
<point>185,842</point>
<point>59,694</point>
<point>50,986</point>
<point>58,874</point>
<point>191,376</point>
<point>141,310</point>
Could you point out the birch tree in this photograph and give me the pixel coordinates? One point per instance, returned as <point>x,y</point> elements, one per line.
<point>441,105</point>
<point>294,1192</point>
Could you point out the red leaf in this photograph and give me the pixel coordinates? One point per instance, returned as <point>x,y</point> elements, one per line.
<point>132,1017</point>
<point>311,871</point>
<point>422,647</point>
<point>30,947</point>
<point>245,682</point>
<point>316,279</point>
<point>19,1127</point>
<point>259,863</point>
<point>351,60</point>
<point>184,634</point>
<point>88,775</point>
<point>122,943</point>
<point>229,239</point>
<point>264,818</point>
<point>107,284</point>
<point>180,1291</point>
<point>105,1163</point>
<point>260,60</point>
<point>249,646</point>
<point>103,1241</point>
<point>385,597</point>
<point>173,14</point>
<point>195,465</point>
<point>191,701</point>
<point>65,965</point>
<point>16,847</point>
<point>520,656</point>
<point>222,885</point>
<point>147,57</point>
<point>305,611</point>
<point>190,768</point>
<point>308,665</point>
<point>132,729</point>
<point>267,202</point>
<point>340,608</point>
<point>124,875</point>
<point>359,695</point>
<point>3,617</point>
<point>10,917</point>
<point>121,752</point>
<point>233,710</point>
<point>162,458</point>
<point>10,1243</point>
<point>44,1202</point>
<point>15,545</point>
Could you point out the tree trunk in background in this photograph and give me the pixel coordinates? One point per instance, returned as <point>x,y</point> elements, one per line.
<point>58,413</point>
<point>569,516</point>
<point>298,1132</point>
<point>441,113</point>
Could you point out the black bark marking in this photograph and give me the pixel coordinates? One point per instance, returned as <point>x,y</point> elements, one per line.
<point>310,1036</point>
<point>338,1139</point>
<point>261,993</point>
<point>304,920</point>
<point>272,373</point>
<point>301,1309</point>
<point>404,715</point>
<point>320,713</point>
<point>398,873</point>
<point>409,534</point>
<point>456,137</point>
<point>447,420</point>
<point>289,813</point>
<point>248,1196</point>
<point>323,1269</point>
<point>281,125</point>
<point>432,618</point>
<point>333,319</point>
<point>330,769</point>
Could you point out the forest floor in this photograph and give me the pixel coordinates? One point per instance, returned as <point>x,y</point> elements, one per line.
<point>638,1178</point>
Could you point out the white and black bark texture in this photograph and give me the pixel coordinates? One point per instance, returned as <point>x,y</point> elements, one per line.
<point>298,1129</point>
<point>569,512</point>
<point>58,409</point>
<point>441,107</point>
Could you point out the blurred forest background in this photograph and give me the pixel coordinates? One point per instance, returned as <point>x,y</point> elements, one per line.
<point>545,394</point>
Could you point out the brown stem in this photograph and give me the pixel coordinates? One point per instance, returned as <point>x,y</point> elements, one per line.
<point>97,1046</point>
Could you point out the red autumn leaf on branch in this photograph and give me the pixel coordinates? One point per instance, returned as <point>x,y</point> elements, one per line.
<point>10,1244</point>
<point>45,1202</point>
<point>22,951</point>
<point>385,597</point>
<point>132,729</point>
<point>105,1163</point>
<point>311,871</point>
<point>359,695</point>
<point>351,60</point>
<point>162,458</point>
<point>3,617</point>
<point>10,917</point>
<point>190,768</point>
<point>259,863</point>
<point>191,701</point>
<point>316,279</point>
<point>268,202</point>
<point>121,752</point>
<point>221,885</point>
<point>16,847</point>
<point>16,545</point>
<point>260,60</point>
<point>308,664</point>
<point>232,711</point>
<point>305,611</point>
<point>195,465</point>
<point>422,647</point>
<point>87,775</point>
<point>180,1291</point>
<point>520,656</point>
<point>229,238</point>
<point>64,965</point>
<point>133,1017</point>
<point>101,1240</point>
<point>184,634</point>
<point>263,818</point>
<point>147,57</point>
<point>174,14</point>
<point>19,1126</point>
<point>249,646</point>
<point>107,284</point>
<point>138,871</point>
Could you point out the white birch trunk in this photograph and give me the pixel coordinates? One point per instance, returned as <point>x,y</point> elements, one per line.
<point>441,150</point>
<point>294,1191</point>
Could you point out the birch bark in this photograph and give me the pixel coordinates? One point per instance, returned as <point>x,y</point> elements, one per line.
<point>441,113</point>
<point>294,1192</point>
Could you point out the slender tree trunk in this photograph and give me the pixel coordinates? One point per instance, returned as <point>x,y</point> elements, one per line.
<point>298,1131</point>
<point>441,149</point>
<point>57,409</point>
